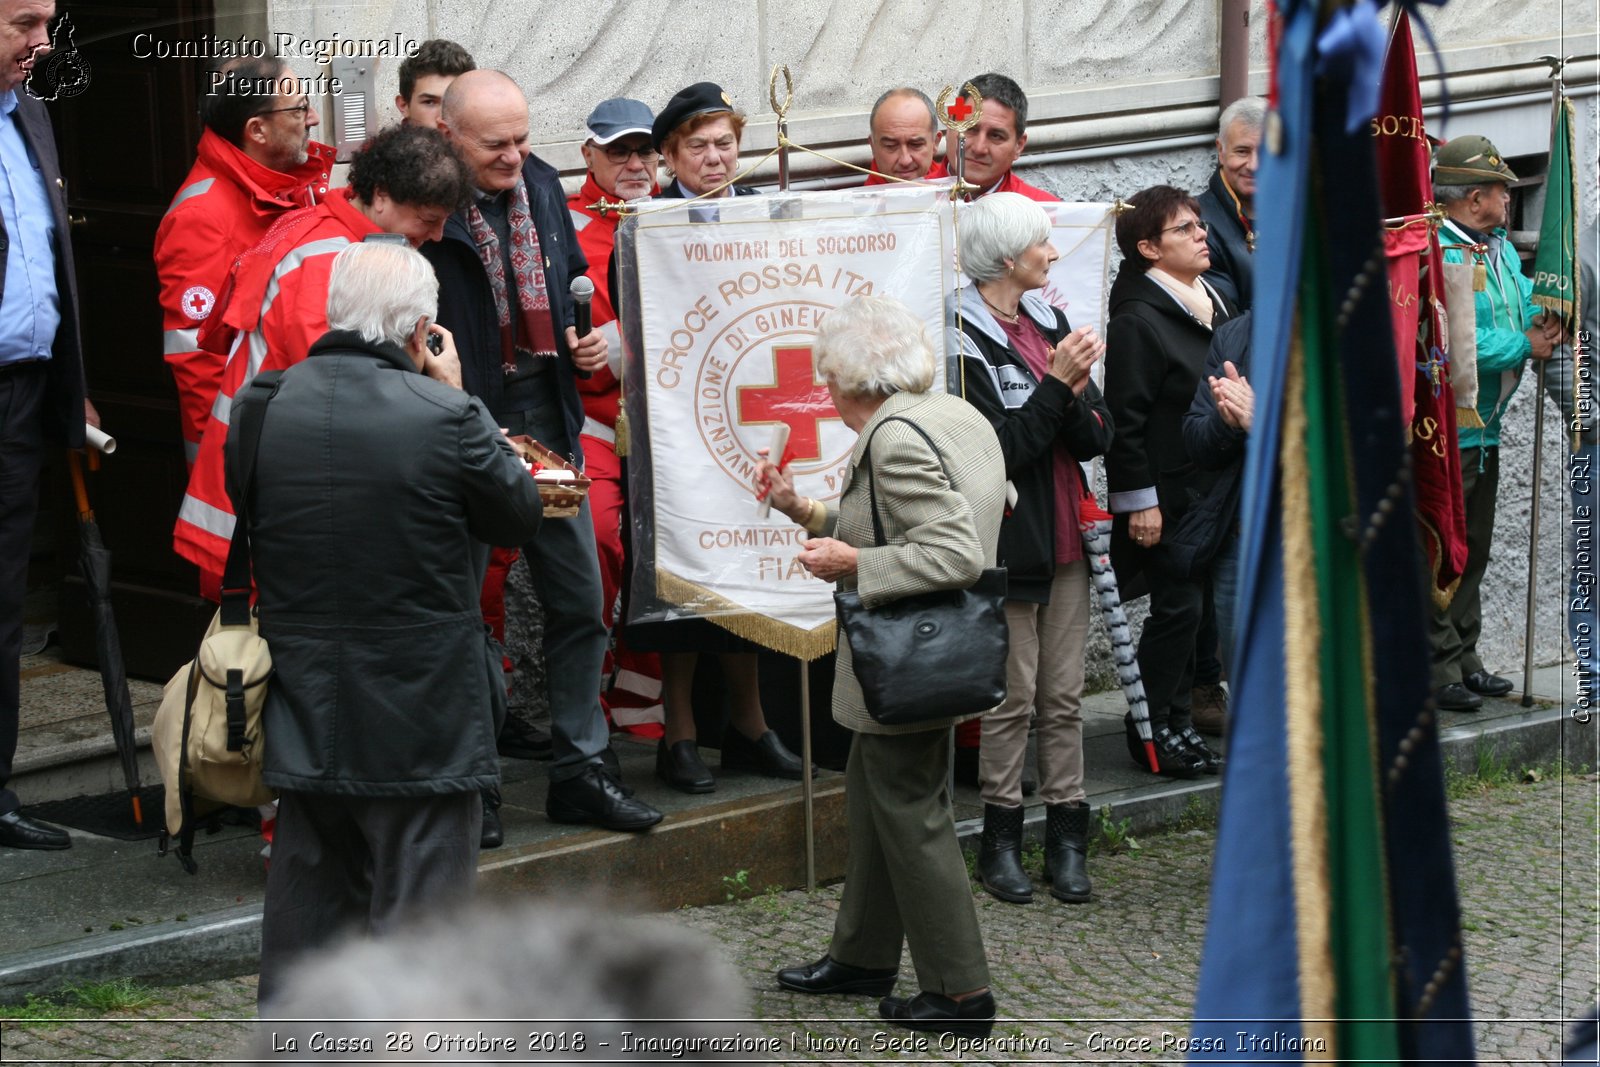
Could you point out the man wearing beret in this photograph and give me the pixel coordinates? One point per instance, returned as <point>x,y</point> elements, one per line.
<point>505,266</point>
<point>1470,181</point>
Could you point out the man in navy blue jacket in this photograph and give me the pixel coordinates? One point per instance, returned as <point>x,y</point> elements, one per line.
<point>504,268</point>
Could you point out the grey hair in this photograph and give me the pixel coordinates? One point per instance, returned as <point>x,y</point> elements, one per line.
<point>1450,194</point>
<point>996,228</point>
<point>1249,110</point>
<point>874,346</point>
<point>380,290</point>
<point>894,94</point>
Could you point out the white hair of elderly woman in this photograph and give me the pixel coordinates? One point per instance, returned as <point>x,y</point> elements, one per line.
<point>379,290</point>
<point>874,346</point>
<point>666,986</point>
<point>996,228</point>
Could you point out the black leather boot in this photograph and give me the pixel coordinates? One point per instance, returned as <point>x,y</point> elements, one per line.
<point>1066,851</point>
<point>1000,855</point>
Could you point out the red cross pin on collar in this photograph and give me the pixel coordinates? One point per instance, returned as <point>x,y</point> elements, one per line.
<point>963,112</point>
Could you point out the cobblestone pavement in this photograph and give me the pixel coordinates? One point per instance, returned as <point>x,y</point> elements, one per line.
<point>1122,966</point>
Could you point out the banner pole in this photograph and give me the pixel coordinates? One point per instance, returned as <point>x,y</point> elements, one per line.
<point>782,110</point>
<point>807,787</point>
<point>1538,458</point>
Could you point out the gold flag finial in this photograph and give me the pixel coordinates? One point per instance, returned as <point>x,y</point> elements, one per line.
<point>964,114</point>
<point>788,89</point>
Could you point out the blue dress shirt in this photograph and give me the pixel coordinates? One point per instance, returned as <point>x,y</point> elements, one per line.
<point>30,309</point>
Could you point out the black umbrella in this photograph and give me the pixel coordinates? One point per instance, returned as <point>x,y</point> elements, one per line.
<point>94,559</point>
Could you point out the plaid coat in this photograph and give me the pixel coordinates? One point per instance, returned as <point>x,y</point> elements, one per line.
<point>941,531</point>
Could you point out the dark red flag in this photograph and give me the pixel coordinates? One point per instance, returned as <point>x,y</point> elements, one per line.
<point>1416,292</point>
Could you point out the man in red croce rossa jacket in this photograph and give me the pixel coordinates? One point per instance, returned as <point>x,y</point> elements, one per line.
<point>406,181</point>
<point>621,158</point>
<point>255,161</point>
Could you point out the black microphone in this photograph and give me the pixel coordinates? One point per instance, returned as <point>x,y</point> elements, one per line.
<point>582,291</point>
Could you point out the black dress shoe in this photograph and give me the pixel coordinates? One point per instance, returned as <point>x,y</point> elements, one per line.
<point>1456,697</point>
<point>594,799</point>
<point>681,767</point>
<point>1487,685</point>
<point>828,975</point>
<point>492,835</point>
<point>767,755</point>
<point>1210,760</point>
<point>972,1017</point>
<point>520,740</point>
<point>19,831</point>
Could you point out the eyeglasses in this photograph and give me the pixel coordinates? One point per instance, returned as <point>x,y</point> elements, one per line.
<point>621,153</point>
<point>1186,229</point>
<point>300,109</point>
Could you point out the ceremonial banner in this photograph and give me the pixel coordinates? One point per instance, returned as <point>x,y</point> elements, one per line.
<point>1079,282</point>
<point>1340,940</point>
<point>1427,365</point>
<point>1554,268</point>
<point>721,300</point>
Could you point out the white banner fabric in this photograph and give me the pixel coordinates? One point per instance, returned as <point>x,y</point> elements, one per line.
<point>730,293</point>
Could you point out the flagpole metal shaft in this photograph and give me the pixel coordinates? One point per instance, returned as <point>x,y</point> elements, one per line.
<point>807,791</point>
<point>1533,539</point>
<point>1556,64</point>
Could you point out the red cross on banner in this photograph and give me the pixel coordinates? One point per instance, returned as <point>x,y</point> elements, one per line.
<point>796,398</point>
<point>960,109</point>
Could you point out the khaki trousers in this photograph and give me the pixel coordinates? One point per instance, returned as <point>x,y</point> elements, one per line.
<point>1044,675</point>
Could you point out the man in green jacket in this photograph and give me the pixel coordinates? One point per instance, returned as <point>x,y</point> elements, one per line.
<point>1470,182</point>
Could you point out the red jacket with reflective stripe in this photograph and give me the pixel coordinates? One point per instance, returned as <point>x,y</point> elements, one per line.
<point>601,393</point>
<point>223,207</point>
<point>278,304</point>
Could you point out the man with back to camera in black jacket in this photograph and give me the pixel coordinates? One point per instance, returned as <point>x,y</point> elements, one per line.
<point>521,354</point>
<point>377,491</point>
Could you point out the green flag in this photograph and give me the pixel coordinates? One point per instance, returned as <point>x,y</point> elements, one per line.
<point>1555,268</point>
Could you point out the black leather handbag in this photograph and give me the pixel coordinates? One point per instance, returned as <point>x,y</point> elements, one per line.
<point>933,655</point>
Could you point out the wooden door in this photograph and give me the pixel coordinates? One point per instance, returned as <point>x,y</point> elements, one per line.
<point>126,141</point>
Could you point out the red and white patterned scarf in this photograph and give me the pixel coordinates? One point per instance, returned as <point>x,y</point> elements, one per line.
<point>533,298</point>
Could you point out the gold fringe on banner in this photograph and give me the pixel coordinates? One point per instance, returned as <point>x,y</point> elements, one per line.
<point>1468,419</point>
<point>741,622</point>
<point>1308,816</point>
<point>1441,597</point>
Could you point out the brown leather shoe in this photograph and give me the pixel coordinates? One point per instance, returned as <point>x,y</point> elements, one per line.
<point>1210,704</point>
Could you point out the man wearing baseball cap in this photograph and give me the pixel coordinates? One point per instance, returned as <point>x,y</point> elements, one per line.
<point>1470,180</point>
<point>622,166</point>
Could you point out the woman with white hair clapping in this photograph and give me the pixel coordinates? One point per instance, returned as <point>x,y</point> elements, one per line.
<point>1027,371</point>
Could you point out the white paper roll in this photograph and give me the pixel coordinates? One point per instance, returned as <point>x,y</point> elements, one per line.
<point>99,440</point>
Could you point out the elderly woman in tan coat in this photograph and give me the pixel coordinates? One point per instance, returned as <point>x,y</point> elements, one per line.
<point>941,517</point>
